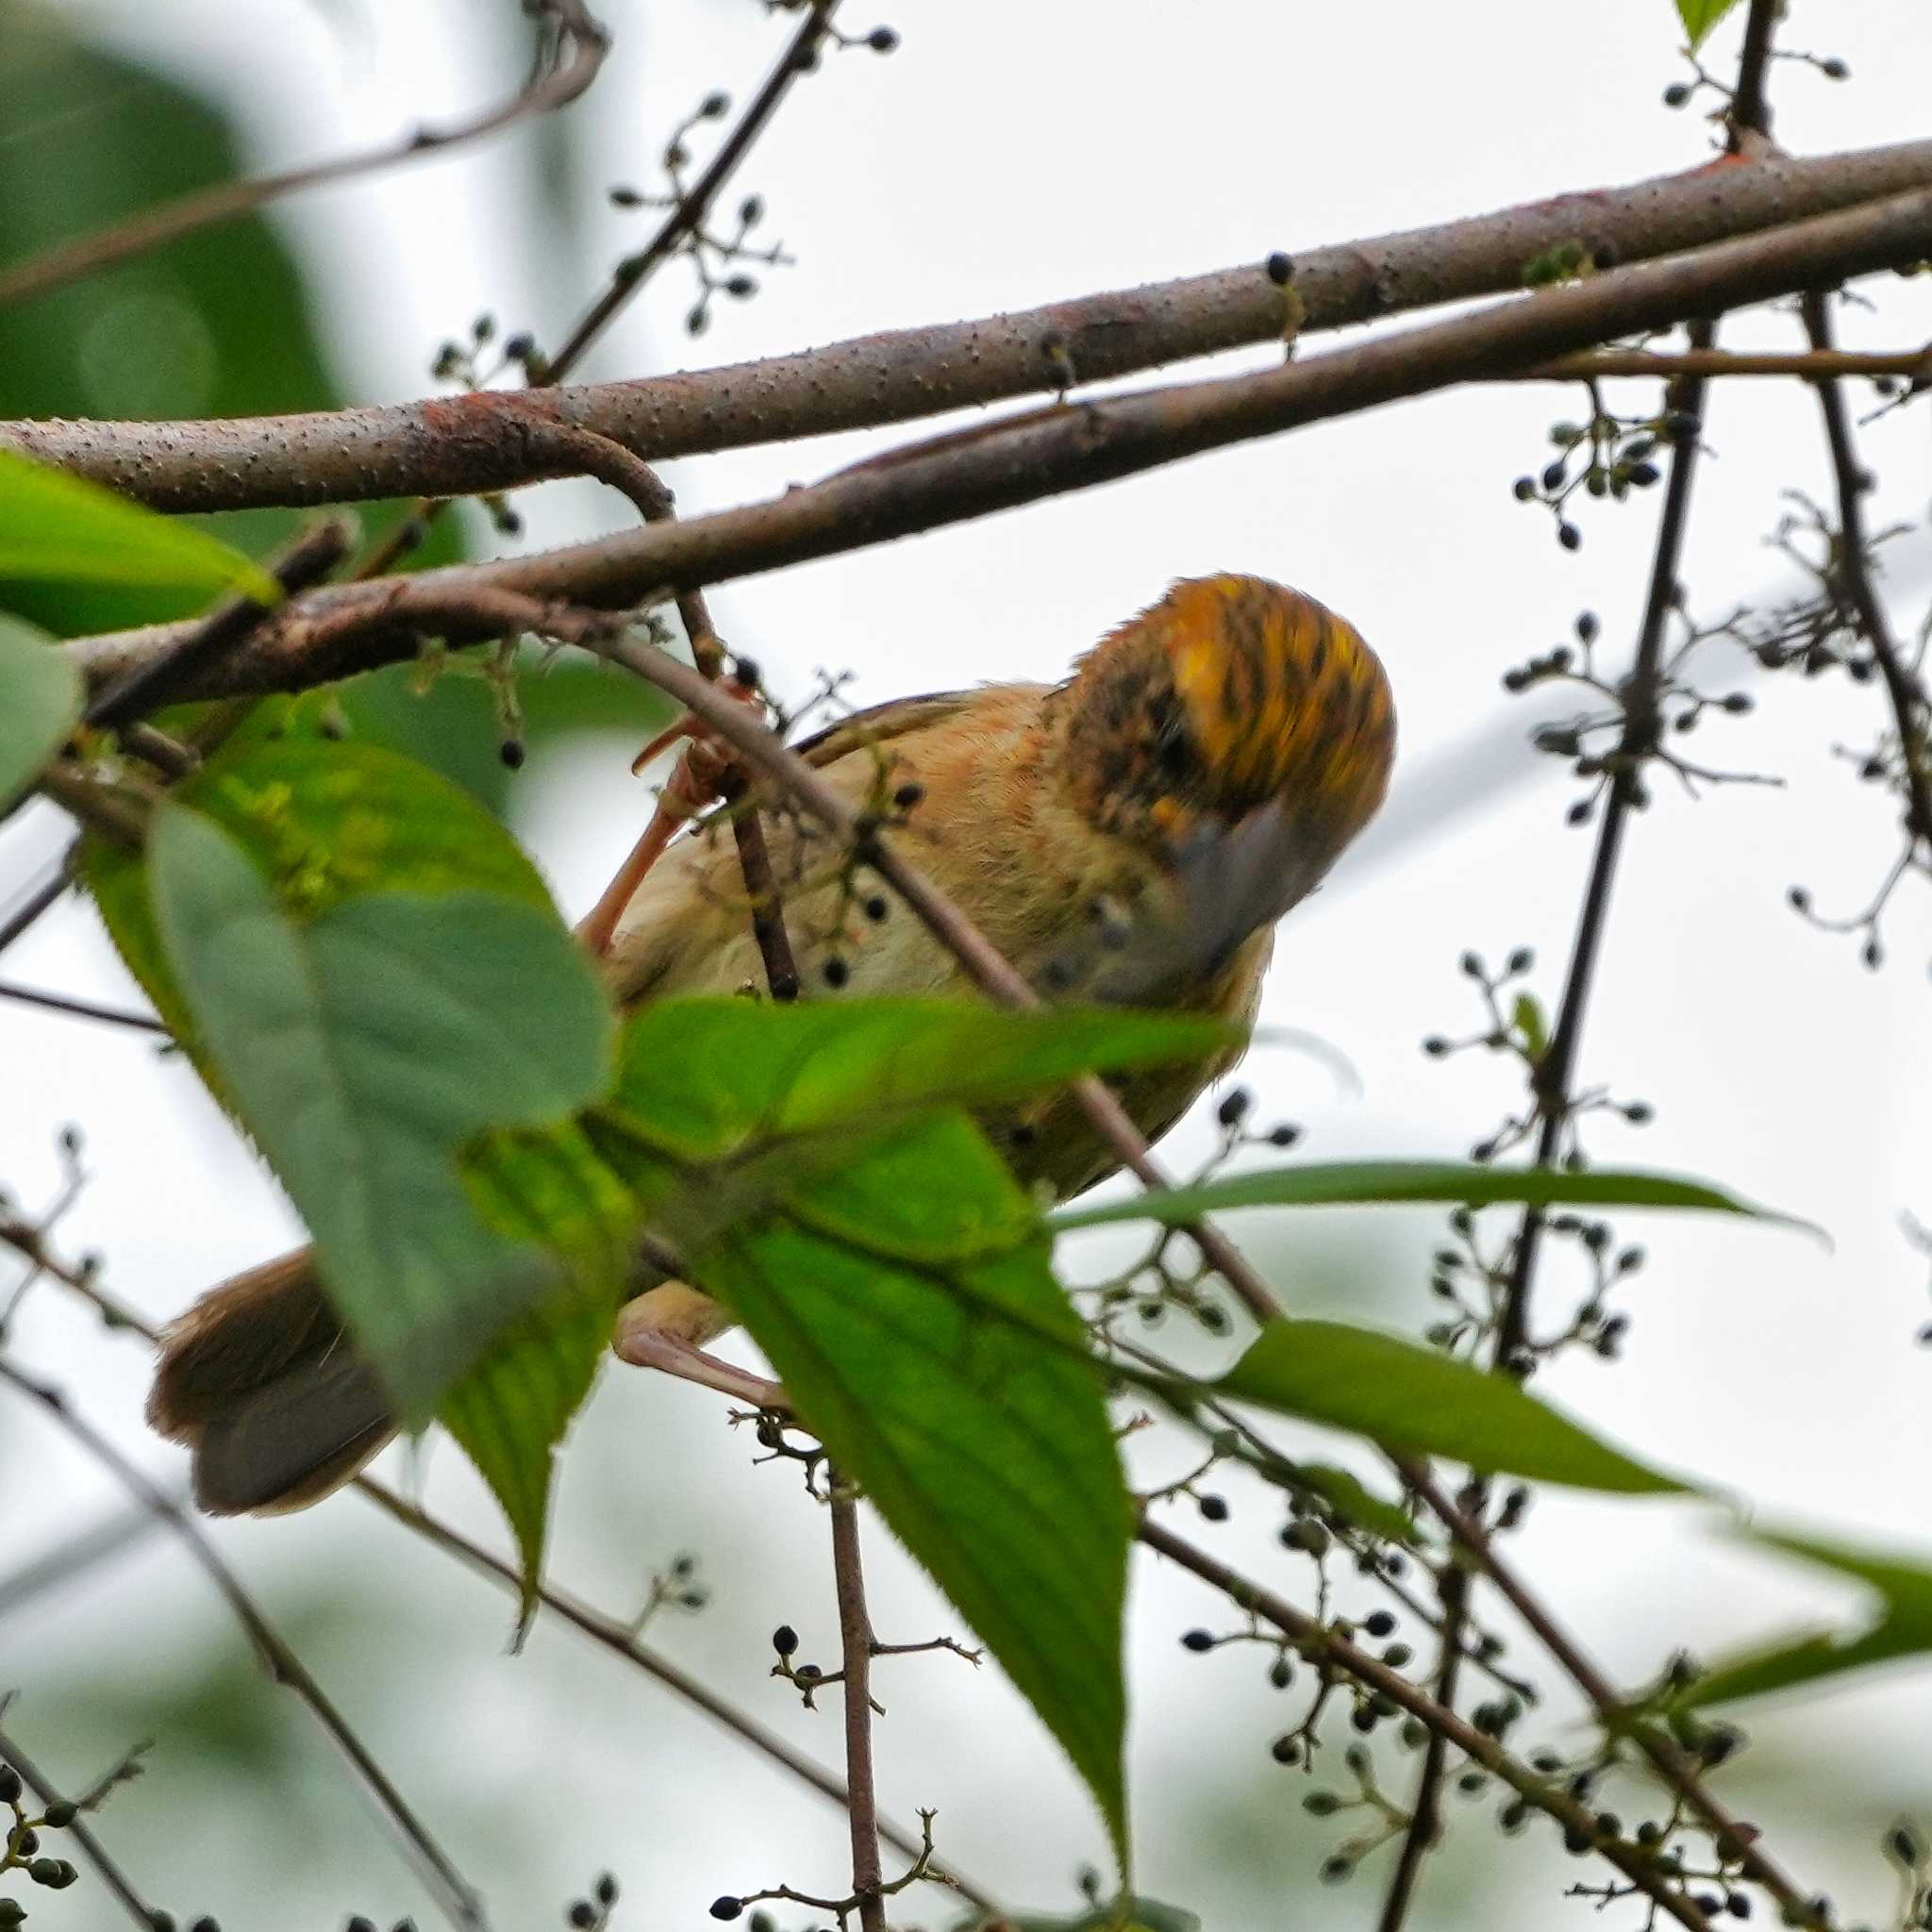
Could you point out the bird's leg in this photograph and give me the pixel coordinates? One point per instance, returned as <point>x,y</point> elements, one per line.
<point>649,1347</point>
<point>698,780</point>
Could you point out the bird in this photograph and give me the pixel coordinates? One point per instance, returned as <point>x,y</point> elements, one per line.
<point>1128,835</point>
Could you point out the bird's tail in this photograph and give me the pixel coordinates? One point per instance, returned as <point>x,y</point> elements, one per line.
<point>261,1380</point>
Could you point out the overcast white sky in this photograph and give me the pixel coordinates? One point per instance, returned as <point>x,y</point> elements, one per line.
<point>1009,154</point>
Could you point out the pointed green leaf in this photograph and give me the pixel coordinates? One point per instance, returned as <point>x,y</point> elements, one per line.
<point>361,1048</point>
<point>905,1300</point>
<point>1902,1626</point>
<point>1700,17</point>
<point>58,529</point>
<point>1419,1402</point>
<point>1327,1184</point>
<point>719,1074</point>
<point>39,704</point>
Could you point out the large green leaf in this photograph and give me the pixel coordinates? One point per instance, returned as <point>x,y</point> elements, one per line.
<point>39,704</point>
<point>1420,1402</point>
<point>57,528</point>
<point>1328,1183</point>
<point>1902,1627</point>
<point>906,1300</point>
<point>1700,17</point>
<point>362,1048</point>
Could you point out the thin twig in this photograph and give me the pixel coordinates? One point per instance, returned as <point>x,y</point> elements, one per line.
<point>82,1833</point>
<point>615,1636</point>
<point>1910,703</point>
<point>453,1892</point>
<point>1683,1773</point>
<point>83,1009</point>
<point>1324,1647</point>
<point>1047,452</point>
<point>1914,364</point>
<point>38,902</point>
<point>610,1632</point>
<point>691,209</point>
<point>560,75</point>
<point>223,631</point>
<point>856,1648</point>
<point>453,445</point>
<point>612,464</point>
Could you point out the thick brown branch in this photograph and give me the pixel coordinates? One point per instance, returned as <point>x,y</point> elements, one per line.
<point>1046,452</point>
<point>561,74</point>
<point>451,447</point>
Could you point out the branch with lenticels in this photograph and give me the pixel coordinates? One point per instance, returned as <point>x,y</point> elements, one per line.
<point>462,444</point>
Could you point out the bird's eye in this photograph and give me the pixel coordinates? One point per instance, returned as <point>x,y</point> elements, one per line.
<point>1172,750</point>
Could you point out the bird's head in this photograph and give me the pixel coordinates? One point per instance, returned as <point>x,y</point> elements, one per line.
<point>1236,725</point>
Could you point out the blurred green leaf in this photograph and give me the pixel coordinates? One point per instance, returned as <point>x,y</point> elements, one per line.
<point>1528,1018</point>
<point>1422,1403</point>
<point>1347,1182</point>
<point>39,704</point>
<point>59,529</point>
<point>1351,1498</point>
<point>1902,1627</point>
<point>1700,17</point>
<point>362,1045</point>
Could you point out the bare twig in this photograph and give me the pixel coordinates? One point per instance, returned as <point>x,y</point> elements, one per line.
<point>1914,364</point>
<point>1682,1772</point>
<point>573,50</point>
<point>38,903</point>
<point>81,1009</point>
<point>1047,452</point>
<point>81,1832</point>
<point>856,1648</point>
<point>453,1892</point>
<point>610,1632</point>
<point>1325,1646</point>
<point>223,630</point>
<point>691,210</point>
<point>612,464</point>
<point>1912,709</point>
<point>453,445</point>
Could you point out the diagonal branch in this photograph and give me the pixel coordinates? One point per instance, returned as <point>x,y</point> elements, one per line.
<point>82,1833</point>
<point>1049,451</point>
<point>452,446</point>
<point>457,1896</point>
<point>565,67</point>
<point>1912,709</point>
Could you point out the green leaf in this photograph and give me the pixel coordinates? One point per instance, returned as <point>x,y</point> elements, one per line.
<point>1527,1016</point>
<point>39,704</point>
<point>806,1163</point>
<point>1346,1182</point>
<point>716,1077</point>
<point>1902,1627</point>
<point>1700,17</point>
<point>1350,1497</point>
<point>57,528</point>
<point>1417,1402</point>
<point>989,1454</point>
<point>362,1046</point>
<point>512,1409</point>
<point>1126,1915</point>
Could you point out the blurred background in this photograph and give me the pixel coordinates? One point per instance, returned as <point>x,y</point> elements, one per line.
<point>1005,154</point>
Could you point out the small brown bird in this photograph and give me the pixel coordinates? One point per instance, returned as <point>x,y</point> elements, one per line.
<point>1128,836</point>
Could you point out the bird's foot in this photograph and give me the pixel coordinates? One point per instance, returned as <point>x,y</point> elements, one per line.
<point>648,1347</point>
<point>698,780</point>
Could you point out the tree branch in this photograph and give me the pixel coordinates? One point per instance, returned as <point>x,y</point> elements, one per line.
<point>82,1833</point>
<point>561,73</point>
<point>1911,710</point>
<point>1047,452</point>
<point>453,445</point>
<point>855,1647</point>
<point>454,1893</point>
<point>1322,1646</point>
